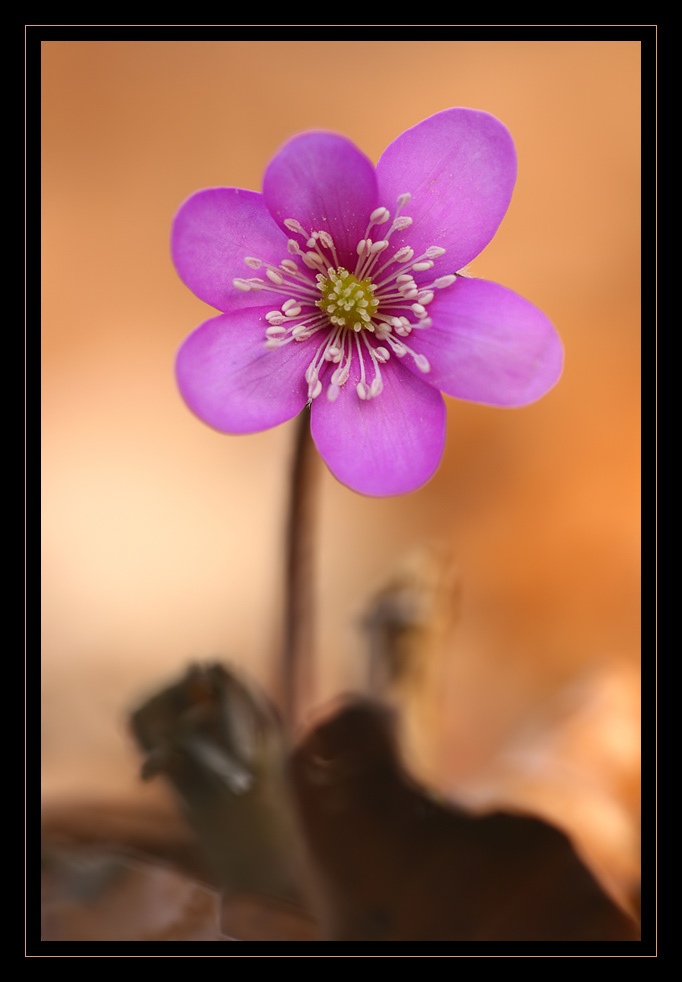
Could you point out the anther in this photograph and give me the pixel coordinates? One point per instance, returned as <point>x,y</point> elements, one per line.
<point>379,216</point>
<point>403,255</point>
<point>294,226</point>
<point>312,259</point>
<point>444,281</point>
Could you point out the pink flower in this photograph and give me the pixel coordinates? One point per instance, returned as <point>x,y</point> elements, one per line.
<point>339,286</point>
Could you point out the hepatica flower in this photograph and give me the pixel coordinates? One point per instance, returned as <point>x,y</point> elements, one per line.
<point>340,286</point>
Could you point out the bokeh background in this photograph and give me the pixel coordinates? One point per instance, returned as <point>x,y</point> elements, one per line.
<point>162,540</point>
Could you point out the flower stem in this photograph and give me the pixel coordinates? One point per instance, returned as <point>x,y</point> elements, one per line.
<point>299,588</point>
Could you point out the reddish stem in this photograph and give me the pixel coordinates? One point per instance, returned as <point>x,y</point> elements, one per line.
<point>299,585</point>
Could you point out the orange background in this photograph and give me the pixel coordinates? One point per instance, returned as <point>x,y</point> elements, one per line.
<point>162,539</point>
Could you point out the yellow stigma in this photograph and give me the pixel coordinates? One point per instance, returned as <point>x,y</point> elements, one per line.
<point>347,301</point>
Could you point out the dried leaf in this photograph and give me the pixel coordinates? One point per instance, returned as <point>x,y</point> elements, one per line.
<point>392,863</point>
<point>219,743</point>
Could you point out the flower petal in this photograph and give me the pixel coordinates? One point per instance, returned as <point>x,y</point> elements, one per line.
<point>487,344</point>
<point>233,382</point>
<point>460,168</point>
<point>324,182</point>
<point>388,445</point>
<point>214,230</point>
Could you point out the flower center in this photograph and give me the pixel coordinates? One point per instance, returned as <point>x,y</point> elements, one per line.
<point>347,301</point>
<point>367,314</point>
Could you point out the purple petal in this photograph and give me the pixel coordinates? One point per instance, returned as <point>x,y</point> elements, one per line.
<point>388,445</point>
<point>213,232</point>
<point>487,344</point>
<point>460,168</point>
<point>233,383</point>
<point>324,182</point>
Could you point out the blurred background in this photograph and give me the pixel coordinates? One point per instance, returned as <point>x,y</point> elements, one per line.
<point>162,540</point>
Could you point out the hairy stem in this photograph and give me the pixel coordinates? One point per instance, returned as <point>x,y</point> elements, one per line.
<point>299,586</point>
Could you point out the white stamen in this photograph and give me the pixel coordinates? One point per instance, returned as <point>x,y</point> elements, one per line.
<point>313,259</point>
<point>341,375</point>
<point>444,281</point>
<point>401,223</point>
<point>403,255</point>
<point>366,311</point>
<point>294,226</point>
